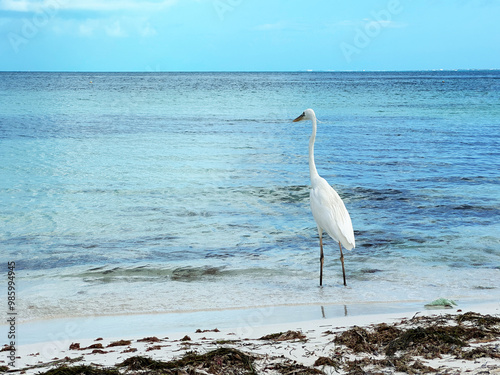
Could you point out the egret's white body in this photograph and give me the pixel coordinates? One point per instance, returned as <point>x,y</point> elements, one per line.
<point>327,207</point>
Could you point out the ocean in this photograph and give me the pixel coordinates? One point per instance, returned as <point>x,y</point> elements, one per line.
<point>139,193</point>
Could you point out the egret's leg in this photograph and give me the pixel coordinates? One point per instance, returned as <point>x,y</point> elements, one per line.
<point>342,260</point>
<point>321,257</point>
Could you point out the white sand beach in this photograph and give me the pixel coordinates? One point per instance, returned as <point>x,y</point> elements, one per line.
<point>295,346</point>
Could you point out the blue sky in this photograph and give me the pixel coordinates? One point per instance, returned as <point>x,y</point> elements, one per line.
<point>248,35</point>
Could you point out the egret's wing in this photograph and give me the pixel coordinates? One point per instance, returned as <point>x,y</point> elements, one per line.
<point>330,213</point>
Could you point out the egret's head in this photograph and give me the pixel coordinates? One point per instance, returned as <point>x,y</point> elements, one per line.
<point>308,114</point>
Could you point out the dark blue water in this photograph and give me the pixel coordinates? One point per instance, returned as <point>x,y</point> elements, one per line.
<point>158,192</point>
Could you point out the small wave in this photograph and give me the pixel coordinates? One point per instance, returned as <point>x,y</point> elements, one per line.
<point>274,194</point>
<point>475,208</point>
<point>379,194</point>
<point>464,212</point>
<point>195,273</point>
<point>148,273</point>
<point>283,194</point>
<point>479,180</point>
<point>370,270</point>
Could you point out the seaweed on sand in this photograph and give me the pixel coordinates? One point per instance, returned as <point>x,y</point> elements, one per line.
<point>362,340</point>
<point>430,340</point>
<point>485,321</point>
<point>402,347</point>
<point>220,361</point>
<point>435,339</point>
<point>285,336</point>
<point>81,370</point>
<point>404,364</point>
<point>294,368</point>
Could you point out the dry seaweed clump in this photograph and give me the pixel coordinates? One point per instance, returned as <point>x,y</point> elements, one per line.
<point>285,336</point>
<point>404,364</point>
<point>403,346</point>
<point>81,370</point>
<point>430,342</point>
<point>220,361</point>
<point>485,321</point>
<point>361,340</point>
<point>294,368</point>
<point>225,361</point>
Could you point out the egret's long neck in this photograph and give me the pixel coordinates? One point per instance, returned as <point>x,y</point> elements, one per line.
<point>312,167</point>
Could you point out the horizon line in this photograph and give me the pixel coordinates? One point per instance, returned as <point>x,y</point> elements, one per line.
<point>254,71</point>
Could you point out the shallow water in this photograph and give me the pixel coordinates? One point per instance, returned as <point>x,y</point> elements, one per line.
<point>162,192</point>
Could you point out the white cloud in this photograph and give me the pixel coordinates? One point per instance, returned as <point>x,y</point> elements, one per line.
<point>115,30</point>
<point>384,24</point>
<point>271,26</point>
<point>114,5</point>
<point>109,21</point>
<point>147,30</point>
<point>86,27</point>
<point>349,23</point>
<point>368,22</point>
<point>281,25</point>
<point>114,27</point>
<point>89,5</point>
<point>15,5</point>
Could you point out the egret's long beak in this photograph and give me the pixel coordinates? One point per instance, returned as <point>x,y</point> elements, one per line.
<point>300,118</point>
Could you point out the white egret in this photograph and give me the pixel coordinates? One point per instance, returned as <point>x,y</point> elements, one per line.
<point>327,207</point>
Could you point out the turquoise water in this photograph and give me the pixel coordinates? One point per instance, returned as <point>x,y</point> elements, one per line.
<point>162,192</point>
